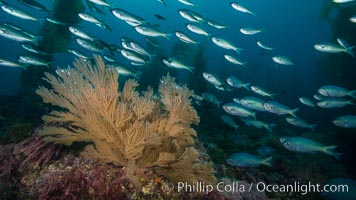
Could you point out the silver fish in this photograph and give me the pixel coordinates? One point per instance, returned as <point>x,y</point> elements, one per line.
<point>216,24</point>
<point>336,91</point>
<point>18,13</point>
<point>33,61</point>
<point>300,123</point>
<point>17,34</point>
<point>220,42</point>
<point>174,63</point>
<point>213,79</point>
<point>252,103</point>
<point>334,48</point>
<point>78,54</point>
<point>197,30</point>
<point>305,145</point>
<point>247,160</point>
<point>282,60</point>
<point>259,43</point>
<point>260,91</point>
<point>184,38</point>
<point>241,8</point>
<point>151,31</point>
<point>129,18</point>
<point>191,15</point>
<point>237,83</point>
<point>306,101</point>
<point>133,56</point>
<point>187,2</point>
<point>238,110</point>
<point>345,121</point>
<point>334,103</point>
<point>250,30</point>
<point>8,63</point>
<point>77,32</point>
<point>234,60</point>
<point>279,109</point>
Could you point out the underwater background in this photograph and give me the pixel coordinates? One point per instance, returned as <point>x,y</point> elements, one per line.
<point>291,28</point>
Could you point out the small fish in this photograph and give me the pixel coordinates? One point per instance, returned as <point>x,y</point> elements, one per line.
<point>250,30</point>
<point>247,160</point>
<point>334,48</point>
<point>124,71</point>
<point>129,18</point>
<point>16,34</point>
<point>306,101</point>
<point>100,3</point>
<point>33,61</point>
<point>55,21</point>
<point>305,145</point>
<point>162,2</point>
<point>282,60</point>
<point>33,49</point>
<point>342,1</point>
<point>216,25</point>
<point>174,63</point>
<point>77,32</point>
<point>234,60</point>
<point>279,109</point>
<point>34,4</point>
<point>318,97</point>
<point>220,42</point>
<point>237,83</point>
<point>151,31</point>
<point>197,30</point>
<point>133,56</point>
<point>184,38</point>
<point>191,15</point>
<point>89,18</point>
<point>211,98</point>
<point>252,103</point>
<point>353,19</point>
<point>78,54</point>
<point>90,45</point>
<point>258,124</point>
<point>18,13</point>
<point>300,123</point>
<point>8,63</point>
<point>334,103</point>
<point>238,110</point>
<point>260,91</point>
<point>345,121</point>
<point>160,17</point>
<point>336,91</point>
<point>140,49</point>
<point>259,43</point>
<point>229,121</point>
<point>187,2</point>
<point>241,8</point>
<point>213,79</point>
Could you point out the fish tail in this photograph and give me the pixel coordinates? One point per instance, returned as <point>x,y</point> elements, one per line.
<point>350,51</point>
<point>330,150</point>
<point>246,86</point>
<point>190,69</point>
<point>269,127</point>
<point>244,64</point>
<point>353,94</point>
<point>294,112</point>
<point>267,161</point>
<point>254,115</point>
<point>238,50</point>
<point>313,126</point>
<point>167,36</point>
